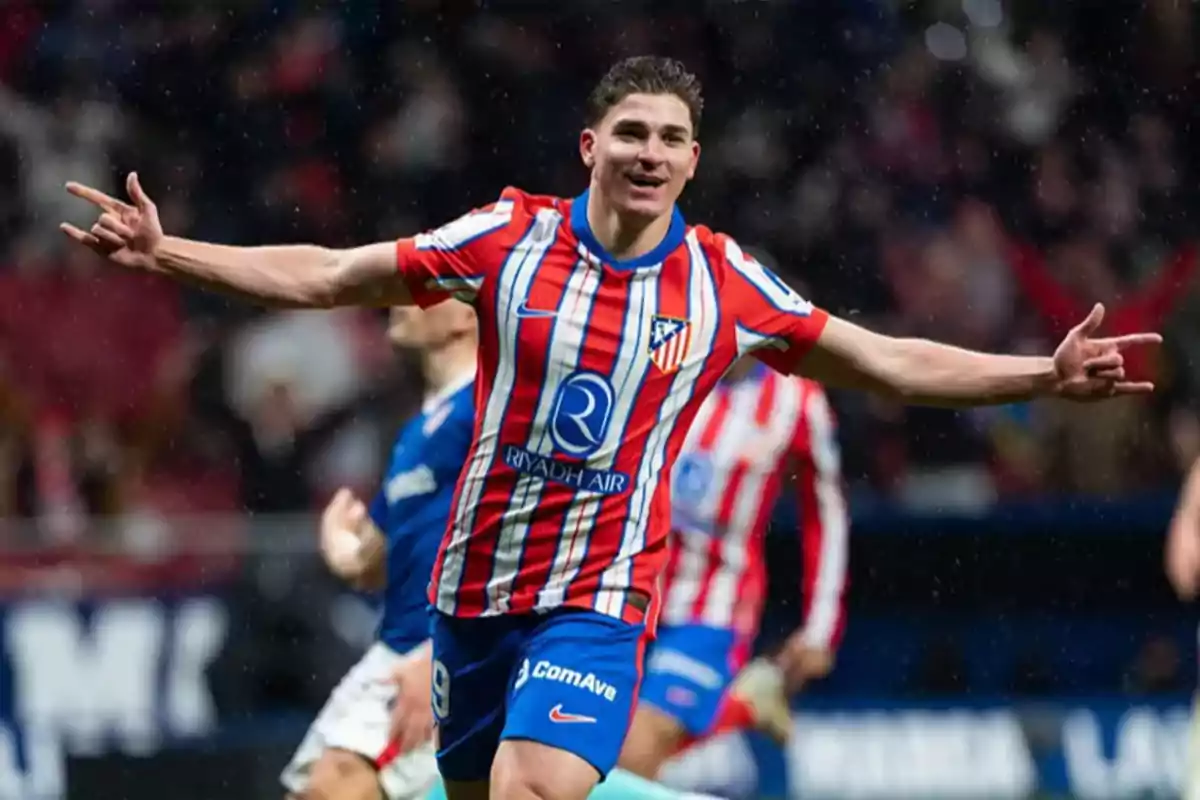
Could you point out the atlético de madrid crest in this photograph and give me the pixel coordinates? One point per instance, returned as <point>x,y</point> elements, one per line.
<point>669,341</point>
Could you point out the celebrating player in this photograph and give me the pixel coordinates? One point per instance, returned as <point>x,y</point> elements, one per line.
<point>753,431</point>
<point>348,753</point>
<point>605,321</point>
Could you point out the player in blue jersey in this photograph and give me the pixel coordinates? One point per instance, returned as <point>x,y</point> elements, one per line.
<point>390,547</point>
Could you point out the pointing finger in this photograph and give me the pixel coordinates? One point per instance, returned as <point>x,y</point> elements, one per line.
<point>1130,340</point>
<point>96,197</point>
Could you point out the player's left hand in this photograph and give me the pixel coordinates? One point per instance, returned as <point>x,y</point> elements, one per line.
<point>126,234</point>
<point>412,710</point>
<point>802,662</point>
<point>1089,369</point>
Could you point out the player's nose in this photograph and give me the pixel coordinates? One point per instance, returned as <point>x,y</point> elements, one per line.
<point>654,151</point>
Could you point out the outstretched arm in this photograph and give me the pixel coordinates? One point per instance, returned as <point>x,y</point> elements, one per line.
<point>921,372</point>
<point>1183,539</point>
<point>303,276</point>
<point>788,333</point>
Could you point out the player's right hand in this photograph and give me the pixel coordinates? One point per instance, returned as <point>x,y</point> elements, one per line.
<point>126,234</point>
<point>344,512</point>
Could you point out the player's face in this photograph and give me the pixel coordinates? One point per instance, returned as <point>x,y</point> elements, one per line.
<point>411,327</point>
<point>642,153</point>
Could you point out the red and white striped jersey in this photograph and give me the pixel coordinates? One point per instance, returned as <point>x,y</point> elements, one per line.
<point>751,438</point>
<point>591,370</point>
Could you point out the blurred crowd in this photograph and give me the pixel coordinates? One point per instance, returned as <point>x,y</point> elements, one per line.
<point>974,171</point>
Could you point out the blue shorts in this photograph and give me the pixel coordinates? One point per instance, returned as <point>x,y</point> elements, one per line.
<point>688,670</point>
<point>568,679</point>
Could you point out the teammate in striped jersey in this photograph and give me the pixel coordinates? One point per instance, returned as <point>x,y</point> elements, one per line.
<point>755,433</point>
<point>605,320</point>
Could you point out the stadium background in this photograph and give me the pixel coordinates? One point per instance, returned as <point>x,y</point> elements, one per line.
<point>971,170</point>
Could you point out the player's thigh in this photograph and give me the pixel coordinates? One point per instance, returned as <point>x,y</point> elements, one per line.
<point>687,673</point>
<point>343,775</point>
<point>530,770</point>
<point>575,691</point>
<point>653,738</point>
<point>473,668</point>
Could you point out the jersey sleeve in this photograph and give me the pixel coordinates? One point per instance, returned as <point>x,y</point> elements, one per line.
<point>773,322</point>
<point>824,521</point>
<point>456,259</point>
<point>378,511</point>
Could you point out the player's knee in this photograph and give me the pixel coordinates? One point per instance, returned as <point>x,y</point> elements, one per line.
<point>341,775</point>
<point>652,739</point>
<point>527,770</point>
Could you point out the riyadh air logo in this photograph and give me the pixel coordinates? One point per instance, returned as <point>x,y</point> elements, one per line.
<point>670,338</point>
<point>581,413</point>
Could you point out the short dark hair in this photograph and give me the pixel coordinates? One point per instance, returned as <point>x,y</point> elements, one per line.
<point>646,75</point>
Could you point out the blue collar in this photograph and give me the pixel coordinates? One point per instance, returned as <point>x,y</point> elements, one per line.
<point>583,231</point>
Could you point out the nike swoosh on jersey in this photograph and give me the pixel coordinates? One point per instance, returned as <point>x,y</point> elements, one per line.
<point>525,312</point>
<point>558,715</point>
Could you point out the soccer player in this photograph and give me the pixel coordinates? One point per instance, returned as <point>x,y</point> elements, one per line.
<point>1183,571</point>
<point>755,431</point>
<point>390,546</point>
<point>605,320</point>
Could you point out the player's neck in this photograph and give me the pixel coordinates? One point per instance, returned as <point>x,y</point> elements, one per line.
<point>621,237</point>
<point>448,365</point>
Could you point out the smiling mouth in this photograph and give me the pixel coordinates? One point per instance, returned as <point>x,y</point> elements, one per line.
<point>646,181</point>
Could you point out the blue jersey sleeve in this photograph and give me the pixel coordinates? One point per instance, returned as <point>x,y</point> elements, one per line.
<point>378,511</point>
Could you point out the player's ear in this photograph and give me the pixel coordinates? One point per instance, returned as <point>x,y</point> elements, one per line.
<point>691,173</point>
<point>587,147</point>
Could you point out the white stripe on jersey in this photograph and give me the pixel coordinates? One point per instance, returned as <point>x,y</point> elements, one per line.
<point>825,606</point>
<point>627,382</point>
<point>775,291</point>
<point>513,280</point>
<point>562,358</point>
<point>463,289</point>
<point>748,341</point>
<point>456,233</point>
<point>704,315</point>
<point>771,444</point>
